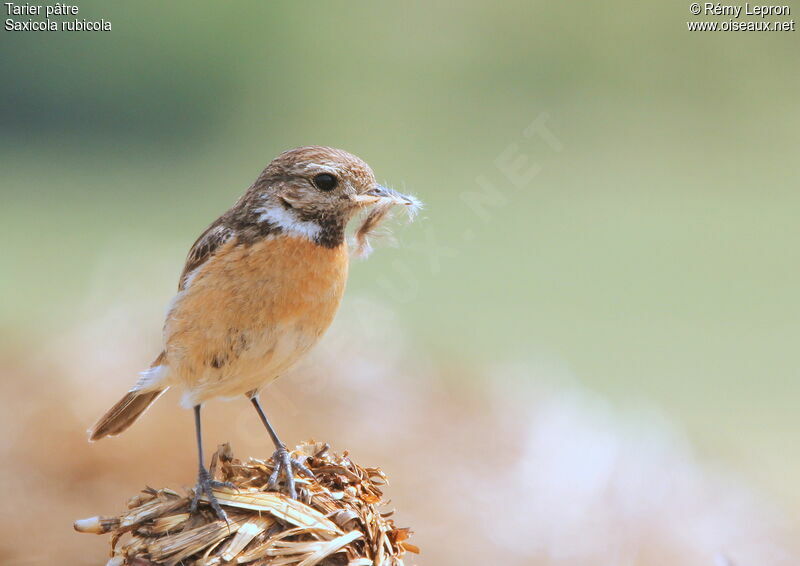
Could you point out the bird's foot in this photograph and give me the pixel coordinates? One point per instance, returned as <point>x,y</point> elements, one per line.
<point>286,465</point>
<point>205,486</point>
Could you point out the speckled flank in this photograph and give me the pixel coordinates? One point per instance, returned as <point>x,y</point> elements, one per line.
<point>250,312</point>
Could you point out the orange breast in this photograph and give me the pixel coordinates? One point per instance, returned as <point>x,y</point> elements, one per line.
<point>250,312</point>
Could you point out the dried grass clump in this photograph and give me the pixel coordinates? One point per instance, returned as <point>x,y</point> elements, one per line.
<point>336,519</point>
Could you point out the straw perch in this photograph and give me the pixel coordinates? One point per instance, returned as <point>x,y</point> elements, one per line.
<point>336,520</point>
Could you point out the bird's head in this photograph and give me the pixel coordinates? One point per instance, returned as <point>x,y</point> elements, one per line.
<point>316,190</point>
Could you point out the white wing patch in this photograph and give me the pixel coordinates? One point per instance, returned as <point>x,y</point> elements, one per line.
<point>151,378</point>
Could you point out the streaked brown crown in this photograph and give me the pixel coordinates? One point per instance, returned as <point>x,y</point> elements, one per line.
<point>302,163</point>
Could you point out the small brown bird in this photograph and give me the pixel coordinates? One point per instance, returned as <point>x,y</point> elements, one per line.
<point>259,288</point>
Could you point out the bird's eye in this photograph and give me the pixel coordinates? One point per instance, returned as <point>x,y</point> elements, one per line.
<point>325,182</point>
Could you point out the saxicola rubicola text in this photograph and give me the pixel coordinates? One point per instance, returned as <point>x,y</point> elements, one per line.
<point>259,288</point>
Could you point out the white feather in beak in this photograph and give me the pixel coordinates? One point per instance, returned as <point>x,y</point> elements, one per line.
<point>381,200</point>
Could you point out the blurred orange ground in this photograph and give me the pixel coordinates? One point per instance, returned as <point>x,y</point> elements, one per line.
<point>540,474</point>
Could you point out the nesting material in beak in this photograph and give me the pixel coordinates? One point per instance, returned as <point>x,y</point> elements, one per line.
<point>381,200</point>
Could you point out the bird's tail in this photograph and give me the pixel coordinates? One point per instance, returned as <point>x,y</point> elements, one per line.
<point>122,415</point>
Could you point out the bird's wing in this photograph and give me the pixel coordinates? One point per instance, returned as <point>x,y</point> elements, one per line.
<point>205,246</point>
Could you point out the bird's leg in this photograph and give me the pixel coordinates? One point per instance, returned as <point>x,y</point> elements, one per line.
<point>205,484</point>
<point>283,462</point>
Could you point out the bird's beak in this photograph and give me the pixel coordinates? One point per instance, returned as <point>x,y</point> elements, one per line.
<point>385,195</point>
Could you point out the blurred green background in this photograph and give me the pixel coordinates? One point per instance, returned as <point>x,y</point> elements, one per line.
<point>654,254</point>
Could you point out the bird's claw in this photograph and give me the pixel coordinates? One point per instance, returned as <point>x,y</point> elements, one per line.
<point>288,465</point>
<point>205,485</point>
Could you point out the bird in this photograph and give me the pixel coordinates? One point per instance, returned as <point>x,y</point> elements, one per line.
<point>259,288</point>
